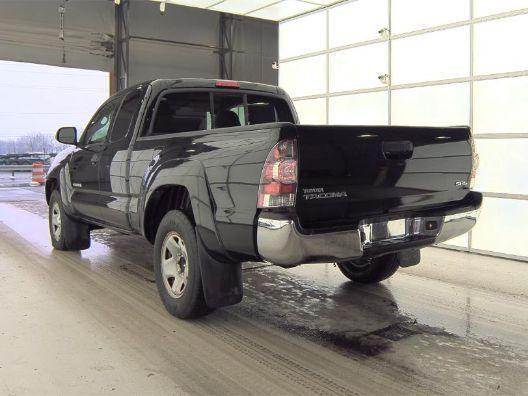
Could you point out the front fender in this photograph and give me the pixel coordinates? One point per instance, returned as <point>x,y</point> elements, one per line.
<point>58,162</point>
<point>59,174</point>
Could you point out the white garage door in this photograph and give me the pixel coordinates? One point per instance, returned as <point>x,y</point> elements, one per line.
<point>426,62</point>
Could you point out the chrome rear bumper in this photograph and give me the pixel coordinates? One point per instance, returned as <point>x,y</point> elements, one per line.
<point>280,242</point>
<point>457,224</point>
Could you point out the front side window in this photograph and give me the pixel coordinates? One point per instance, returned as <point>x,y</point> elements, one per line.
<point>99,125</point>
<point>182,112</point>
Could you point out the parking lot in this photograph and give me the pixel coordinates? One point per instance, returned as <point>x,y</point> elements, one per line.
<point>456,323</point>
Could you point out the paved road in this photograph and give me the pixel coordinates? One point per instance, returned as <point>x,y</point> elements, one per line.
<point>14,179</point>
<point>92,323</point>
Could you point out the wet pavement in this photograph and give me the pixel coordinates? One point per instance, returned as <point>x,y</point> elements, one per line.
<point>456,323</point>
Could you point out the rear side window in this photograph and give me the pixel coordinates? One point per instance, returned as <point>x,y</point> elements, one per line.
<point>183,112</point>
<point>126,116</point>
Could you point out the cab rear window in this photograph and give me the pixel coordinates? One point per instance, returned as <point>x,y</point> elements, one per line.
<point>263,109</point>
<point>177,112</point>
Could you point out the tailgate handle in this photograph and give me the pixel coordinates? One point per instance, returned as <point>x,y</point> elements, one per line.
<point>397,150</point>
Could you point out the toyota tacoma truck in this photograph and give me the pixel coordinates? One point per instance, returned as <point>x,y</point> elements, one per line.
<point>214,173</point>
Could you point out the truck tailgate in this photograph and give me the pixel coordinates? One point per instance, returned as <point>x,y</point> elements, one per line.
<point>351,173</point>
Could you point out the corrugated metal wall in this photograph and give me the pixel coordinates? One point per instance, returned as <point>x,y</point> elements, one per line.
<point>29,32</point>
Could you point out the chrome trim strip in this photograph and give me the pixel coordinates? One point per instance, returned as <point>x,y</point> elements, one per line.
<point>279,242</point>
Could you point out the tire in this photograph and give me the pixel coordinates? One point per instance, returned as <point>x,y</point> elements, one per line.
<point>372,270</point>
<point>65,232</point>
<point>177,268</point>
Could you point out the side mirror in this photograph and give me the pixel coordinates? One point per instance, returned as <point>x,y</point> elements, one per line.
<point>67,135</point>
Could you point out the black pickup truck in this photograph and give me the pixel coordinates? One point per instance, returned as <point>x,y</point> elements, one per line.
<point>215,173</point>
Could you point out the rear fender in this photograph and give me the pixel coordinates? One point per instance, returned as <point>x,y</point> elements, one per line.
<point>189,174</point>
<point>221,275</point>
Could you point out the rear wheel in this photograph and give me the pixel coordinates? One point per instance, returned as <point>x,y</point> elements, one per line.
<point>65,232</point>
<point>176,267</point>
<point>370,270</point>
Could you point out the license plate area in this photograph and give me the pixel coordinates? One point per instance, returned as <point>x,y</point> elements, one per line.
<point>394,229</point>
<point>383,231</point>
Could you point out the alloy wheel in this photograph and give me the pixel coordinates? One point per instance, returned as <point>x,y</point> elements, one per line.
<point>174,264</point>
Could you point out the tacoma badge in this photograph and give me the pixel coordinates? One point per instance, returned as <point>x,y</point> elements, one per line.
<point>318,193</point>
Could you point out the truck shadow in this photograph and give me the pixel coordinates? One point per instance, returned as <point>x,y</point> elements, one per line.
<point>351,318</point>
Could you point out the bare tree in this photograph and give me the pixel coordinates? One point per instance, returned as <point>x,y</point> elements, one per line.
<point>35,142</point>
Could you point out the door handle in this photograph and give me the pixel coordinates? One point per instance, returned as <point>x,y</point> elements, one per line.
<point>397,150</point>
<point>156,155</point>
<point>95,159</point>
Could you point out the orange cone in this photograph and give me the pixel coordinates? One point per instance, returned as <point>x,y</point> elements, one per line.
<point>37,174</point>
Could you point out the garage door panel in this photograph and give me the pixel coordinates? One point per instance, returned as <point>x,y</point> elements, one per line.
<point>497,45</point>
<point>357,21</point>
<point>359,109</point>
<point>501,227</point>
<point>409,15</point>
<point>441,105</point>
<point>302,35</point>
<point>489,7</point>
<point>498,175</point>
<point>358,68</point>
<point>500,105</point>
<point>311,111</point>
<point>432,56</point>
<point>304,77</point>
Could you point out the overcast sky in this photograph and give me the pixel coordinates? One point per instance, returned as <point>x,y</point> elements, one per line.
<point>38,98</point>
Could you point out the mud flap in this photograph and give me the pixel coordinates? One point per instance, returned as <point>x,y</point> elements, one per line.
<point>222,281</point>
<point>409,257</point>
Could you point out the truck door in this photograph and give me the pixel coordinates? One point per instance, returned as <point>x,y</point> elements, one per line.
<point>113,166</point>
<point>84,161</point>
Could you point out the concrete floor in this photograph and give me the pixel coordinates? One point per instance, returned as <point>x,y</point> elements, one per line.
<point>92,323</point>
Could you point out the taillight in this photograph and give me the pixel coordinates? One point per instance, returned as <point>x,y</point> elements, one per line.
<point>278,182</point>
<point>474,163</point>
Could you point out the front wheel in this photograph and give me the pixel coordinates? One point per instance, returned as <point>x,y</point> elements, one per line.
<point>176,267</point>
<point>370,270</point>
<point>65,232</point>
